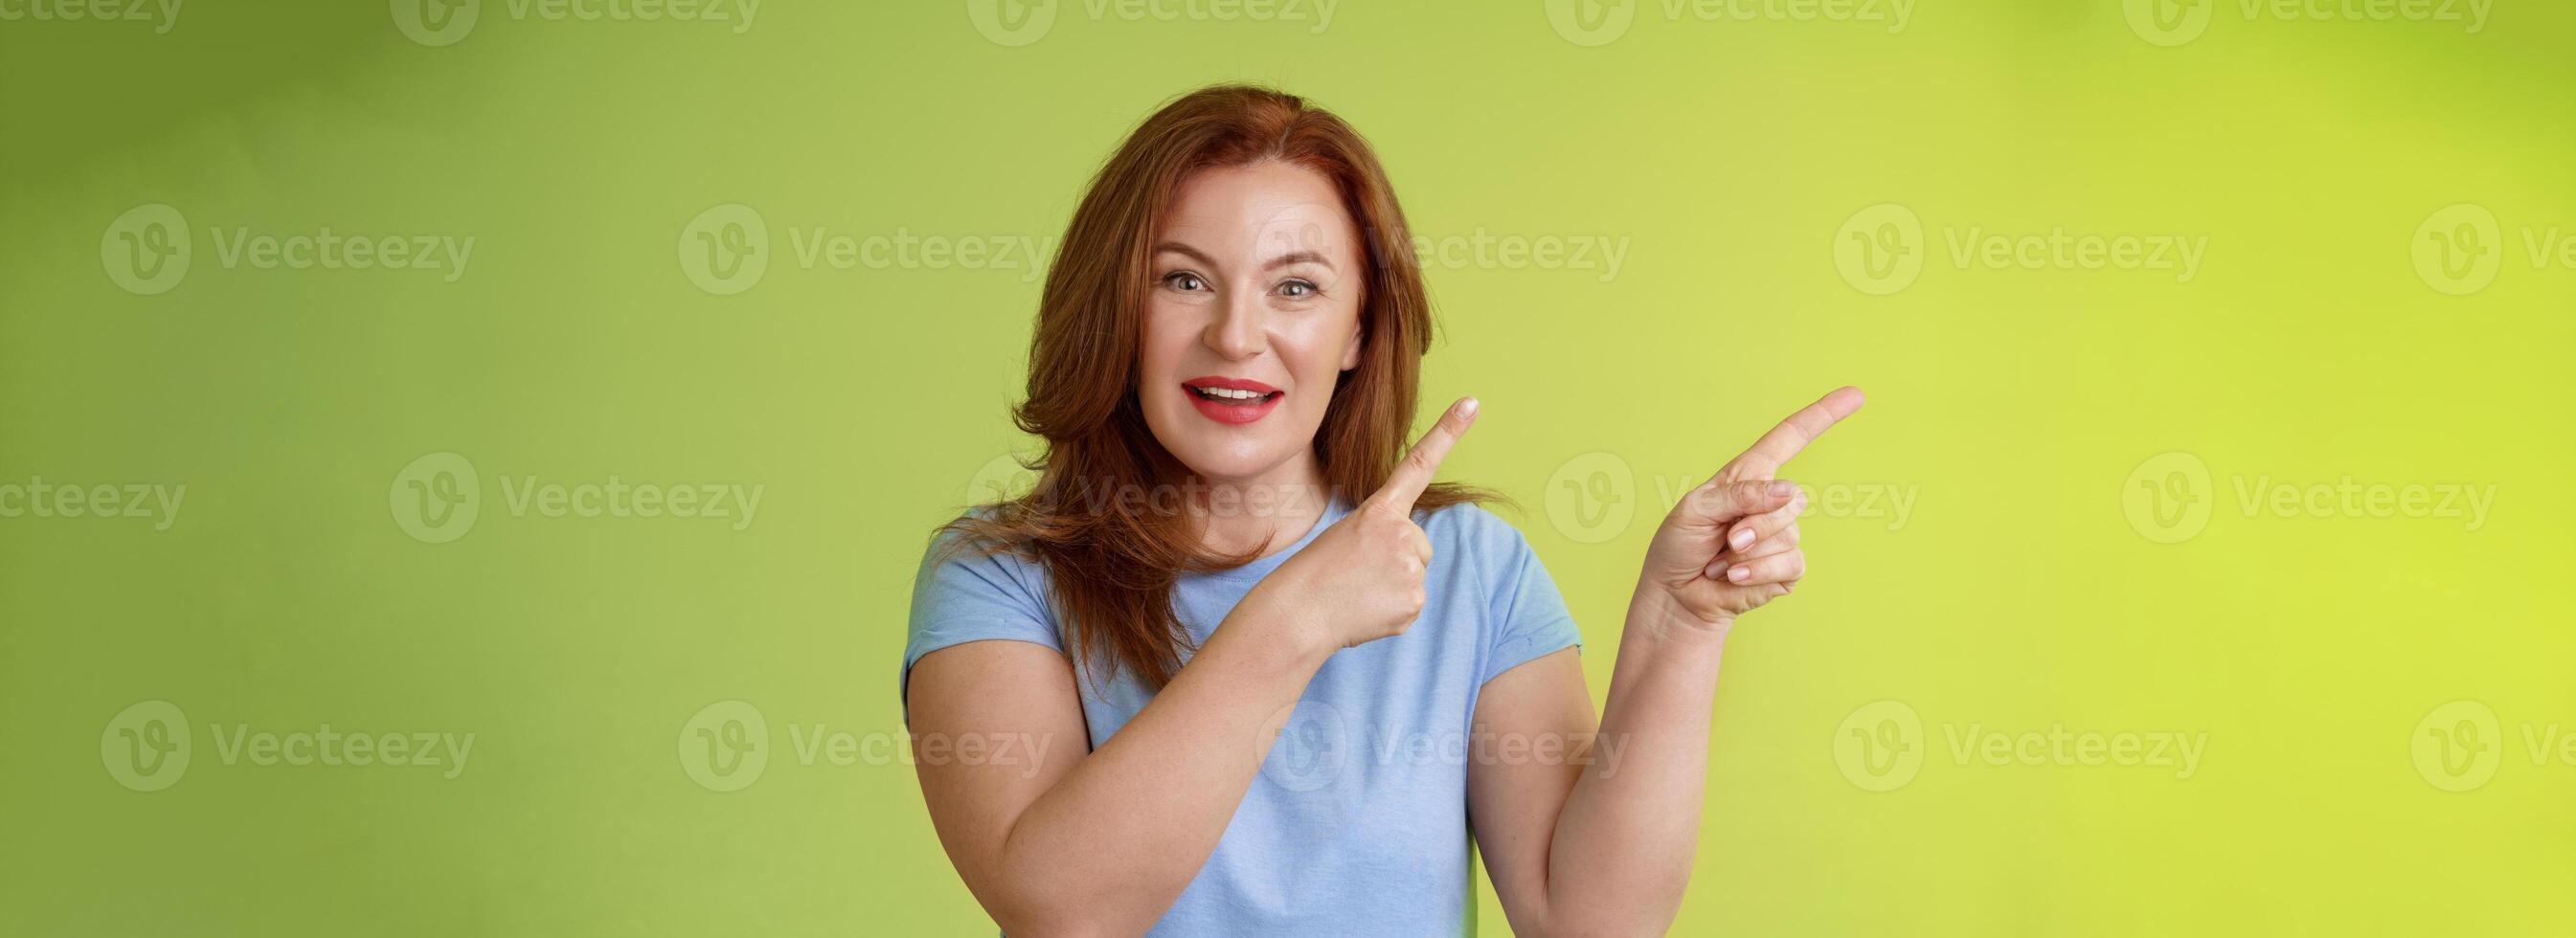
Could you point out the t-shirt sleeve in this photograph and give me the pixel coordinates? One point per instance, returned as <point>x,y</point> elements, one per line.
<point>964,595</point>
<point>1529,615</point>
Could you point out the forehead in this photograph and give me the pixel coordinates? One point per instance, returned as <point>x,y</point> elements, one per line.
<point>1261,210</point>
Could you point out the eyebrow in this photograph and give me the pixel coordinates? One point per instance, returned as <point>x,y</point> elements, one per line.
<point>1284,260</point>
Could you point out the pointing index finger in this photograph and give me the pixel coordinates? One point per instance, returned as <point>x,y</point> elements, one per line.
<point>1792,435</point>
<point>1413,473</point>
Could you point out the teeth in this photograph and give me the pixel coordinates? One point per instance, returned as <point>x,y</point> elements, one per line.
<point>1228,394</point>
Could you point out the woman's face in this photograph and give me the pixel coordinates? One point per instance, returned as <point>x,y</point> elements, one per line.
<point>1252,316</point>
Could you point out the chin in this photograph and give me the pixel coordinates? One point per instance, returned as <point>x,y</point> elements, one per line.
<point>1215,452</point>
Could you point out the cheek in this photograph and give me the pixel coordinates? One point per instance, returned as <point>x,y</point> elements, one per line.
<point>1163,338</point>
<point>1315,347</point>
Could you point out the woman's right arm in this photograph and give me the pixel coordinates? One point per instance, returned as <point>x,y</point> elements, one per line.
<point>1104,842</point>
<point>1098,843</point>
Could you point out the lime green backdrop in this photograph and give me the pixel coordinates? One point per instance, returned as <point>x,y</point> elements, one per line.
<point>2198,564</point>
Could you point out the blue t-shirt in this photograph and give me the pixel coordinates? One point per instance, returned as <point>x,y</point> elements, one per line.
<point>1357,824</point>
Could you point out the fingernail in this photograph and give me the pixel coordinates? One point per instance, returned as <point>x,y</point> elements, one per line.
<point>1740,574</point>
<point>1741,539</point>
<point>1783,489</point>
<point>1467,408</point>
<point>1713,572</point>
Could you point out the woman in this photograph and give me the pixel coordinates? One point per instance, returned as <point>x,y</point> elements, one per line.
<point>1228,539</point>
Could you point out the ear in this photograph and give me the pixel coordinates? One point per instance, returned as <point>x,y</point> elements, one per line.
<point>1351,349</point>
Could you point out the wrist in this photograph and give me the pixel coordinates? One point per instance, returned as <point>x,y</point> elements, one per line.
<point>1297,635</point>
<point>1657,612</point>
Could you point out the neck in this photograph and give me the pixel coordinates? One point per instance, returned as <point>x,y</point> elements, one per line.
<point>1265,512</point>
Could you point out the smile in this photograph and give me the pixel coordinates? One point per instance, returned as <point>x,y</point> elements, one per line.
<point>1232,400</point>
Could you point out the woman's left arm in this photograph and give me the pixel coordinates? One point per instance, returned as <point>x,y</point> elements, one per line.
<point>1597,837</point>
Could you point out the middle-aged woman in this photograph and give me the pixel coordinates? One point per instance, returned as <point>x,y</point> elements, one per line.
<point>1237,665</point>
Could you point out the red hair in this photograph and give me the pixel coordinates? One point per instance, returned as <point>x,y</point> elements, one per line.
<point>1111,565</point>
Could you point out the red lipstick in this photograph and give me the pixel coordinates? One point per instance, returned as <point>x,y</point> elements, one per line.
<point>1248,401</point>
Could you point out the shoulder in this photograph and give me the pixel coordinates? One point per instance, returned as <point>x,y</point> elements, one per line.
<point>1477,531</point>
<point>959,557</point>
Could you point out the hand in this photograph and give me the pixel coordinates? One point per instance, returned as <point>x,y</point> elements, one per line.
<point>1732,543</point>
<point>1361,580</point>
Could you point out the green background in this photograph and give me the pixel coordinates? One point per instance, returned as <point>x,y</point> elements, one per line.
<point>2013,405</point>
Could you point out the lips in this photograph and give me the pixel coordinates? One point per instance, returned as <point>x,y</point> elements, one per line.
<point>1233,401</point>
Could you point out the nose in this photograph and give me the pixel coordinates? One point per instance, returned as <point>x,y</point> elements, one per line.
<point>1237,331</point>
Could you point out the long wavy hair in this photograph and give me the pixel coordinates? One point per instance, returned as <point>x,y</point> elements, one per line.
<point>1110,561</point>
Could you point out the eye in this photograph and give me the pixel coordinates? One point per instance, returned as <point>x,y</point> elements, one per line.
<point>1298,289</point>
<point>1184,280</point>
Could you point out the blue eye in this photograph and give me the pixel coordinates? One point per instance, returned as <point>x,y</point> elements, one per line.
<point>1298,289</point>
<point>1184,280</point>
